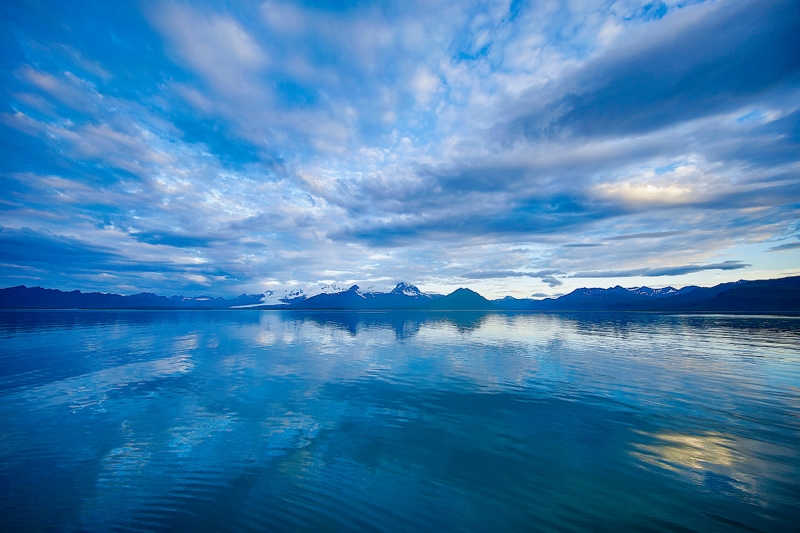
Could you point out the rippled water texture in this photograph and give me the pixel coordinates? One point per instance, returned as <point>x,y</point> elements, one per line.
<point>248,421</point>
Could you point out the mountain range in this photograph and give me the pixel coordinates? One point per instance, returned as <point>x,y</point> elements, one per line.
<point>776,296</point>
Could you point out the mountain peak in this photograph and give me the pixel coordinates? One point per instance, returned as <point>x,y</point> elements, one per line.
<point>462,300</point>
<point>407,289</point>
<point>463,290</point>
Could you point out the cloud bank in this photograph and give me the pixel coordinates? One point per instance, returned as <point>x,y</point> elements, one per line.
<point>662,271</point>
<point>194,147</point>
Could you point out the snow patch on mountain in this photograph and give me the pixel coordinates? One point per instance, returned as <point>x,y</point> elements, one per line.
<point>330,288</point>
<point>181,298</point>
<point>370,290</point>
<point>654,293</point>
<point>408,290</point>
<point>355,289</point>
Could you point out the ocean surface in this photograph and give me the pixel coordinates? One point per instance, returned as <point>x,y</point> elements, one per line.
<point>290,421</point>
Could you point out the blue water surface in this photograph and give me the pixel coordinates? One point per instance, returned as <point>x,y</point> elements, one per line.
<point>291,421</point>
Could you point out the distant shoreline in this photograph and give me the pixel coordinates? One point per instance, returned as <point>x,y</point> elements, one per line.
<point>421,311</point>
<point>761,297</point>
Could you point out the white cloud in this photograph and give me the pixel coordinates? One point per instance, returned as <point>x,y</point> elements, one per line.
<point>284,18</point>
<point>425,84</point>
<point>217,46</point>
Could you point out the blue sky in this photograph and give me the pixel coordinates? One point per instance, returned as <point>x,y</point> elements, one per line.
<point>513,147</point>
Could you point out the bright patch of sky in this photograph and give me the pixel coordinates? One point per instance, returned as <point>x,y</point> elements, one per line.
<point>513,147</point>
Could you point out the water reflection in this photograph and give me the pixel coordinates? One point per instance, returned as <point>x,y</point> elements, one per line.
<point>696,452</point>
<point>406,324</point>
<point>226,420</point>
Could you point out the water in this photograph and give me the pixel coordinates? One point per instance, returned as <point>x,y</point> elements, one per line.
<point>270,421</point>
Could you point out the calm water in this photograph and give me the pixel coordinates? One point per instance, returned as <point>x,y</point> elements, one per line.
<point>251,421</point>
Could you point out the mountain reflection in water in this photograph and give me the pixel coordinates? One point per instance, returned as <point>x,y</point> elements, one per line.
<point>251,421</point>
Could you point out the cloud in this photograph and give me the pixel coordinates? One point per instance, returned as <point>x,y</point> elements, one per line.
<point>443,198</point>
<point>88,65</point>
<point>243,145</point>
<point>661,271</point>
<point>705,61</point>
<point>646,235</point>
<point>784,247</point>
<point>179,241</point>
<point>486,274</point>
<point>553,282</point>
<point>545,275</point>
<point>215,45</point>
<point>425,85</point>
<point>27,246</point>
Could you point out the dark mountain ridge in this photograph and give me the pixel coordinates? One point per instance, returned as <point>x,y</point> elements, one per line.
<point>775,296</point>
<point>22,297</point>
<point>462,300</point>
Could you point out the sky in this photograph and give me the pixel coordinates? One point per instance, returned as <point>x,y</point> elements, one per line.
<point>514,147</point>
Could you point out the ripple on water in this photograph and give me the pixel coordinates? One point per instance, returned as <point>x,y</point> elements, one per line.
<point>252,421</point>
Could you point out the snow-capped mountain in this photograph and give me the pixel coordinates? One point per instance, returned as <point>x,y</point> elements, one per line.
<point>654,293</point>
<point>195,298</point>
<point>293,294</point>
<point>408,289</point>
<point>338,296</point>
<point>334,296</point>
<point>329,288</point>
<point>594,299</point>
<point>370,289</point>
